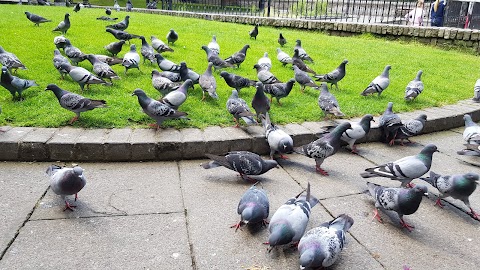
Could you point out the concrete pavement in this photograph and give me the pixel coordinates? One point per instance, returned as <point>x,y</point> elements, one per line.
<point>176,215</point>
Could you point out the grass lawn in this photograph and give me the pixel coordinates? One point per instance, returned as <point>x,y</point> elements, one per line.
<point>449,76</point>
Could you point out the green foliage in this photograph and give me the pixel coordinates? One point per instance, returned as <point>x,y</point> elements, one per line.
<point>367,58</point>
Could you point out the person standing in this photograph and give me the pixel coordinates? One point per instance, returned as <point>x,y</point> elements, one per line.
<point>437,12</point>
<point>415,16</point>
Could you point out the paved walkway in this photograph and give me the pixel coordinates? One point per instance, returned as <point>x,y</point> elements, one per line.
<point>176,215</point>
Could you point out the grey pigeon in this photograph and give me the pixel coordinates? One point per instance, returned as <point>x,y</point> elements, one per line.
<point>36,19</point>
<point>172,37</point>
<point>476,91</point>
<point>244,162</point>
<point>115,47</point>
<point>301,52</point>
<point>265,76</point>
<point>73,53</point>
<point>208,83</point>
<point>457,186</point>
<point>74,102</point>
<point>279,90</point>
<point>358,130</point>
<point>260,102</point>
<point>105,18</point>
<point>108,11</point>
<point>152,5</point>
<point>58,61</point>
<point>281,40</point>
<point>156,109</point>
<point>254,32</point>
<point>14,84</point>
<point>120,25</point>
<point>471,135</point>
<point>218,62</point>
<point>278,140</point>
<point>239,109</point>
<point>303,79</point>
<point>334,76</point>
<point>236,81</point>
<point>253,207</point>
<point>321,246</point>
<point>131,59</point>
<point>283,57</point>
<point>265,62</point>
<point>10,60</point>
<point>147,51</point>
<point>389,124</point>
<point>82,76</point>
<point>238,57</point>
<point>379,84</point>
<point>59,41</point>
<point>116,6</point>
<point>64,25</point>
<point>405,169</point>
<point>213,45</point>
<point>178,96</point>
<point>163,84</point>
<point>414,87</point>
<point>121,35</point>
<point>159,45</point>
<point>129,6</point>
<point>289,222</point>
<point>328,103</point>
<point>186,73</point>
<point>324,147</point>
<point>109,60</point>
<point>66,181</point>
<point>172,76</point>
<point>404,201</point>
<point>101,69</point>
<point>297,61</point>
<point>77,7</point>
<point>411,128</point>
<point>165,64</point>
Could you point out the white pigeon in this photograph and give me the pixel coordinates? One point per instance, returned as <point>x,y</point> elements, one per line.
<point>213,45</point>
<point>283,57</point>
<point>278,140</point>
<point>131,59</point>
<point>264,62</point>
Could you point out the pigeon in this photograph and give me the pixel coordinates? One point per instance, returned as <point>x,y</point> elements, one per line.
<point>414,87</point>
<point>236,81</point>
<point>208,83</point>
<point>411,128</point>
<point>101,69</point>
<point>457,186</point>
<point>74,102</point>
<point>36,19</point>
<point>213,45</point>
<point>278,140</point>
<point>186,73</point>
<point>321,246</point>
<point>328,103</point>
<point>115,47</point>
<point>159,45</point>
<point>238,57</point>
<point>405,169</point>
<point>152,5</point>
<point>254,32</point>
<point>172,37</point>
<point>14,84</point>
<point>303,79</point>
<point>82,76</point>
<point>116,6</point>
<point>58,60</point>
<point>244,162</point>
<point>239,109</point>
<point>379,84</point>
<point>172,76</point>
<point>177,97</point>
<point>129,6</point>
<point>297,61</point>
<point>260,102</point>
<point>471,135</point>
<point>42,3</point>
<point>10,60</point>
<point>265,76</point>
<point>324,147</point>
<point>73,53</point>
<point>163,84</point>
<point>289,222</point>
<point>404,201</point>
<point>301,52</point>
<point>218,62</point>
<point>279,90</point>
<point>264,62</point>
<point>389,124</point>
<point>281,40</point>
<point>66,181</point>
<point>121,35</point>
<point>131,59</point>
<point>109,60</point>
<point>64,25</point>
<point>476,91</point>
<point>59,41</point>
<point>108,11</point>
<point>283,57</point>
<point>147,51</point>
<point>166,65</point>
<point>156,109</point>
<point>77,7</point>
<point>334,76</point>
<point>358,130</point>
<point>253,207</point>
<point>120,25</point>
<point>105,18</point>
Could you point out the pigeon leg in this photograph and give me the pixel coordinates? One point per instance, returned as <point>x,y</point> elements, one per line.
<point>406,225</point>
<point>439,203</point>
<point>474,214</point>
<point>354,149</point>
<point>377,216</point>
<point>76,196</point>
<point>237,124</point>
<point>283,157</point>
<point>265,222</point>
<point>203,96</point>
<point>156,126</point>
<point>237,225</point>
<point>73,120</point>
<point>246,177</point>
<point>410,185</point>
<point>321,171</point>
<point>69,206</point>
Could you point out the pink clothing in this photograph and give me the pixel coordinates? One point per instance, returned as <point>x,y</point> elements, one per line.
<point>415,17</point>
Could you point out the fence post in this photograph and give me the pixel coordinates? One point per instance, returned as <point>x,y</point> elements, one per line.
<point>268,8</point>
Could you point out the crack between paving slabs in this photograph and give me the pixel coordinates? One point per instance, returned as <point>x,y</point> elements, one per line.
<point>114,215</point>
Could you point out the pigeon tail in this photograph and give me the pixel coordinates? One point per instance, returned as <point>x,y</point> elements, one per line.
<point>342,223</point>
<point>432,179</point>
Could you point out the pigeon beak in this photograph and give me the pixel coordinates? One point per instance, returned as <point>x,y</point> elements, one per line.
<point>426,193</point>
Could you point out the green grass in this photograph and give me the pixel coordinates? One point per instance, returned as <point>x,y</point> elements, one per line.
<point>449,76</point>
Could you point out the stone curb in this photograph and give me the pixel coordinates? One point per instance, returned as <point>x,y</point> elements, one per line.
<point>125,144</point>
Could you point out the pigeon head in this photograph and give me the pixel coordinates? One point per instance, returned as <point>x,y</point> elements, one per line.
<point>251,214</point>
<point>159,56</point>
<point>269,164</point>
<point>295,52</point>
<point>205,48</point>
<point>127,18</point>
<point>55,89</point>
<point>344,62</point>
<point>78,171</point>
<point>183,65</point>
<point>27,13</point>
<point>468,120</point>
<point>367,118</point>
<point>139,93</point>
<point>419,74</point>
<point>420,189</point>
<point>56,52</point>
<point>473,177</point>
<point>429,149</point>
<point>1,49</point>
<point>340,129</point>
<point>4,70</point>
<point>389,106</point>
<point>309,257</point>
<point>224,74</point>
<point>188,83</point>
<point>67,42</point>
<point>285,145</point>
<point>155,73</point>
<point>299,42</point>
<point>422,118</point>
<point>133,48</point>
<point>281,234</point>
<point>66,67</point>
<point>234,93</point>
<point>257,67</point>
<point>67,15</point>
<point>265,54</point>
<point>279,50</point>
<point>91,58</point>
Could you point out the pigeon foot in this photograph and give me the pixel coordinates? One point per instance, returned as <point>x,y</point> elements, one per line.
<point>377,216</point>
<point>406,226</point>
<point>321,171</point>
<point>474,214</point>
<point>69,206</point>
<point>73,120</point>
<point>237,226</point>
<point>439,203</point>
